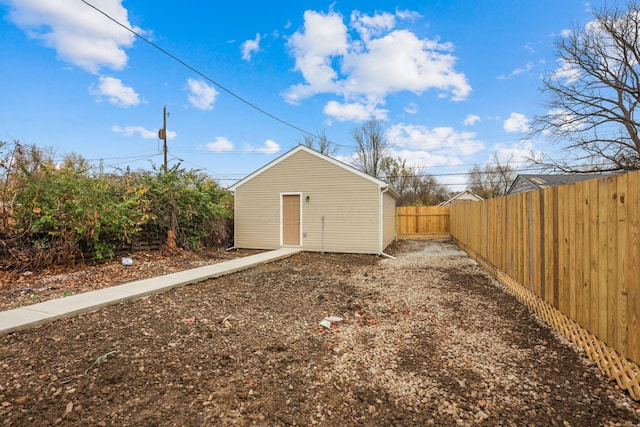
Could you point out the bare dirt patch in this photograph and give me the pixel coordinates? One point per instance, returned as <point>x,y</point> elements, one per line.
<point>19,288</point>
<point>427,339</point>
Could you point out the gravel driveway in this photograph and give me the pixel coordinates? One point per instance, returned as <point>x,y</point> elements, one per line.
<point>426,339</point>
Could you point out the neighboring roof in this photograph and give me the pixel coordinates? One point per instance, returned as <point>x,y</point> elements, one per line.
<point>321,156</point>
<point>524,183</point>
<point>463,195</point>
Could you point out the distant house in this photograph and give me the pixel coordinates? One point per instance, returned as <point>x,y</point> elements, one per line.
<point>524,183</point>
<point>465,195</point>
<point>312,201</point>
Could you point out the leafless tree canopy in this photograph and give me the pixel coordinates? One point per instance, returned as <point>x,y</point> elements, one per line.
<point>414,185</point>
<point>492,180</point>
<point>372,147</point>
<point>320,143</point>
<point>593,97</point>
<point>373,156</point>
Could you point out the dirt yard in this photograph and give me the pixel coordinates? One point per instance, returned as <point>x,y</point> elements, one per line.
<point>18,289</point>
<point>426,339</point>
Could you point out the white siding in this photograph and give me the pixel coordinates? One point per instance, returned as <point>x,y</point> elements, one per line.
<point>350,205</point>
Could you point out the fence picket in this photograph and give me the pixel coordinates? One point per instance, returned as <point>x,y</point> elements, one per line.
<point>576,248</point>
<point>622,264</point>
<point>633,267</point>
<point>422,222</point>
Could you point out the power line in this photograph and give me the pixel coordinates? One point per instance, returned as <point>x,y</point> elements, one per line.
<point>204,76</point>
<point>123,158</point>
<point>424,175</point>
<point>249,103</point>
<point>224,177</point>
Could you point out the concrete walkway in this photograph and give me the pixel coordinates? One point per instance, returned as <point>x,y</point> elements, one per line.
<point>48,311</point>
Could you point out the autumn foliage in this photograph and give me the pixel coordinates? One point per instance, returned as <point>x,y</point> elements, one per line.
<point>59,213</point>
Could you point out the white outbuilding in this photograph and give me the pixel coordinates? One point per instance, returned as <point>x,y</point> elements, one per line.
<point>309,200</point>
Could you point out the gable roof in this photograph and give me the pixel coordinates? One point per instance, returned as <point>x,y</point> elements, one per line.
<point>463,195</point>
<point>529,182</point>
<point>324,157</point>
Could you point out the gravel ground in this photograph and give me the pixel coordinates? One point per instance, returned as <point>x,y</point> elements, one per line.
<point>426,339</point>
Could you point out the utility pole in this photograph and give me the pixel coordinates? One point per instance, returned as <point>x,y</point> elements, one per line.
<point>162,134</point>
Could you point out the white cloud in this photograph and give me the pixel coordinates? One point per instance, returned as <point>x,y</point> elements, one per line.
<point>411,108</point>
<point>249,47</point>
<point>79,34</point>
<point>368,26</point>
<point>364,71</point>
<point>516,123</point>
<point>471,119</point>
<point>115,92</point>
<point>443,141</point>
<point>566,71</point>
<point>524,69</point>
<point>400,61</point>
<point>425,159</point>
<point>324,37</point>
<point>564,121</point>
<point>141,132</point>
<point>270,147</point>
<point>353,111</point>
<point>521,70</point>
<point>408,14</point>
<point>220,144</point>
<point>516,154</point>
<point>202,96</point>
<point>414,158</point>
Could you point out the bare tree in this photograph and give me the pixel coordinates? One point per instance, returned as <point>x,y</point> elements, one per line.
<point>414,185</point>
<point>594,96</point>
<point>424,189</point>
<point>396,173</point>
<point>493,180</point>
<point>320,143</point>
<point>372,147</point>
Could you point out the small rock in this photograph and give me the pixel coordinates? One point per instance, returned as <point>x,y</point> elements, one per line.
<point>20,400</point>
<point>481,416</point>
<point>68,409</point>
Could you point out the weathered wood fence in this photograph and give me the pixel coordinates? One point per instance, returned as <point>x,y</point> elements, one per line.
<point>572,253</point>
<point>422,222</point>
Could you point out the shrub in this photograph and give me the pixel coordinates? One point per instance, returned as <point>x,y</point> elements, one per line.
<point>55,214</point>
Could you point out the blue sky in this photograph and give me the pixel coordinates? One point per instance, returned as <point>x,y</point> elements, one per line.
<point>453,81</point>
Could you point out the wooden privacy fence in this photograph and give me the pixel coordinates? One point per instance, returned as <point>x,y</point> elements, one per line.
<point>572,254</point>
<point>422,222</point>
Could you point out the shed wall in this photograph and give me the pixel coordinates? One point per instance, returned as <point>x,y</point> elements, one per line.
<point>389,218</point>
<point>349,204</point>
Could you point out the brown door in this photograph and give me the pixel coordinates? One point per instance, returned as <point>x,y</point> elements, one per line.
<point>291,220</point>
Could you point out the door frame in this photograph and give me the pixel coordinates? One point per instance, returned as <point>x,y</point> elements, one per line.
<point>282,217</point>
